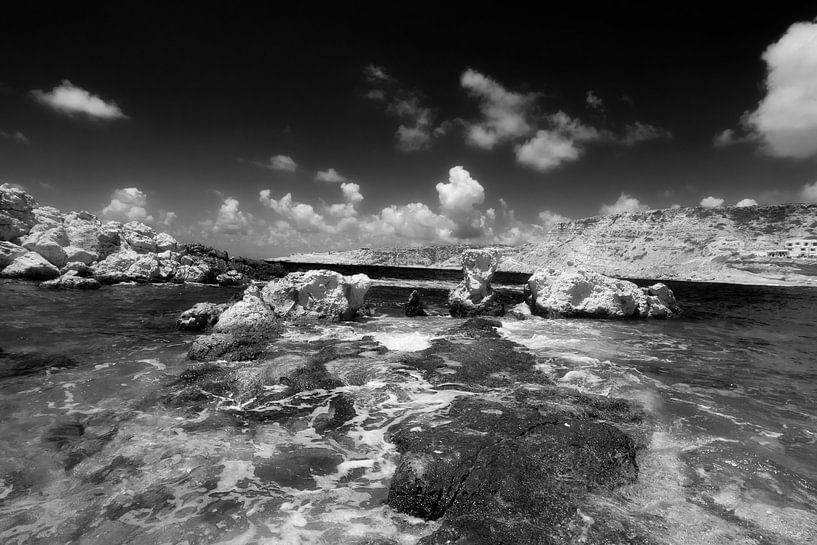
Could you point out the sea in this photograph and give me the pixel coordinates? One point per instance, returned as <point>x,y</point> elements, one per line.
<point>91,454</point>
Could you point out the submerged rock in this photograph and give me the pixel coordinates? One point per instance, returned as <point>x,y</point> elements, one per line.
<point>474,295</point>
<point>71,281</point>
<point>200,316</point>
<point>552,294</point>
<point>16,364</point>
<point>414,306</point>
<point>317,294</point>
<point>30,265</point>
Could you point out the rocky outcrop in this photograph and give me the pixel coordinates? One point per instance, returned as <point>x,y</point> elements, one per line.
<point>414,306</point>
<point>231,278</point>
<point>474,295</point>
<point>200,317</point>
<point>9,252</point>
<point>250,312</point>
<point>318,294</point>
<point>16,213</point>
<point>71,281</point>
<point>32,266</point>
<point>552,294</point>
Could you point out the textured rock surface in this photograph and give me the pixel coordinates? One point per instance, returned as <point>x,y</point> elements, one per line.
<point>414,305</point>
<point>317,294</point>
<point>30,265</point>
<point>8,252</point>
<point>200,316</point>
<point>230,278</point>
<point>555,294</point>
<point>474,295</point>
<point>71,281</point>
<point>16,213</point>
<point>48,242</point>
<point>250,312</point>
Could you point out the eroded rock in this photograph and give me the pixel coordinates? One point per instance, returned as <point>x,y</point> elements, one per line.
<point>32,266</point>
<point>16,213</point>
<point>200,316</point>
<point>414,306</point>
<point>317,294</point>
<point>71,281</point>
<point>474,296</point>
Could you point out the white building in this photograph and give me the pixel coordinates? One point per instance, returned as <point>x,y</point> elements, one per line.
<point>801,247</point>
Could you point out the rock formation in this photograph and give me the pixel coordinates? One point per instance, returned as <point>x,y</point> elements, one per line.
<point>230,278</point>
<point>317,294</point>
<point>200,316</point>
<point>474,295</point>
<point>552,293</point>
<point>414,306</point>
<point>30,265</point>
<point>71,280</point>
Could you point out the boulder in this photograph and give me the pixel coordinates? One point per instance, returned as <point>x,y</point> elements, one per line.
<point>165,242</point>
<point>230,278</point>
<point>78,254</point>
<point>198,272</point>
<point>9,252</point>
<point>80,268</point>
<point>317,294</point>
<point>139,237</point>
<point>248,313</point>
<point>109,239</point>
<point>30,266</point>
<point>580,293</point>
<point>71,281</point>
<point>127,266</point>
<point>49,243</point>
<point>414,306</point>
<point>474,295</point>
<point>16,212</point>
<point>200,316</point>
<point>47,217</point>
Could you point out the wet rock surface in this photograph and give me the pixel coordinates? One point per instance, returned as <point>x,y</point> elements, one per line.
<point>200,316</point>
<point>414,306</point>
<point>16,364</point>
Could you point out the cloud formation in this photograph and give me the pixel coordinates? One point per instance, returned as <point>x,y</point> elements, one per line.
<point>505,114</point>
<point>786,118</point>
<point>560,143</point>
<point>548,219</point>
<point>594,102</point>
<point>809,192</point>
<point>231,220</point>
<point>283,163</point>
<point>624,203</point>
<point>638,132</point>
<point>746,203</point>
<point>711,202</point>
<point>127,204</point>
<point>16,136</point>
<point>331,176</point>
<point>71,100</point>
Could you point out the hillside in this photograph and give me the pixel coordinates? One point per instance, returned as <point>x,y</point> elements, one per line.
<point>701,244</point>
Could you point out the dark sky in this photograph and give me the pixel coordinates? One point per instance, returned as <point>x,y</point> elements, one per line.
<point>194,99</point>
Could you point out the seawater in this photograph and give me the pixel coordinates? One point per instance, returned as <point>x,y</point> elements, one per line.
<point>89,453</point>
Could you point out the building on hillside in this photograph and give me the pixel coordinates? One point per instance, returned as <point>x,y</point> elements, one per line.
<point>801,247</point>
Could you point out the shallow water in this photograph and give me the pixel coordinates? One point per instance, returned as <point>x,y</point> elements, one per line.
<point>90,454</point>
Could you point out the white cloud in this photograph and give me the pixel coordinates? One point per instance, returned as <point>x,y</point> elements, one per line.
<point>16,136</point>
<point>809,192</point>
<point>413,221</point>
<point>128,204</point>
<point>376,74</point>
<point>330,176</point>
<point>505,114</point>
<point>549,219</point>
<point>352,192</point>
<point>562,142</point>
<point>593,101</point>
<point>71,100</point>
<point>638,132</point>
<point>625,203</point>
<point>282,162</point>
<point>730,137</point>
<point>675,206</point>
<point>711,202</point>
<point>786,118</point>
<point>231,220</point>
<point>745,203</point>
<point>458,198</point>
<point>301,216</point>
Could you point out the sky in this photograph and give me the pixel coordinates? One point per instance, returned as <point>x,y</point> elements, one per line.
<point>272,128</point>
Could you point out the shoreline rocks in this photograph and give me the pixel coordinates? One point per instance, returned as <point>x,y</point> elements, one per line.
<point>414,306</point>
<point>71,280</point>
<point>474,295</point>
<point>200,317</point>
<point>317,294</point>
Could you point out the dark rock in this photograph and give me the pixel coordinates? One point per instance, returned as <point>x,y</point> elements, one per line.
<point>489,306</point>
<point>22,364</point>
<point>341,410</point>
<point>414,306</point>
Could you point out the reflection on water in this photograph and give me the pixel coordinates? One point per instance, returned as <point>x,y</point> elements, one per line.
<point>90,453</point>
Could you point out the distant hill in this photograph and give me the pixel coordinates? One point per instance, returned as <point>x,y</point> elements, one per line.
<point>703,244</point>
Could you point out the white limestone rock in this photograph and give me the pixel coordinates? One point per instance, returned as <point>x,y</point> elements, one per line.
<point>9,252</point>
<point>30,266</point>
<point>165,242</point>
<point>16,213</point>
<point>317,294</point>
<point>200,316</point>
<point>198,272</point>
<point>230,278</point>
<point>48,242</point>
<point>127,266</point>
<point>75,253</point>
<point>139,237</point>
<point>71,281</point>
<point>473,296</point>
<point>249,313</point>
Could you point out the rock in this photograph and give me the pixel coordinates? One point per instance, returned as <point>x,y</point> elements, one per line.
<point>474,295</point>
<point>109,238</point>
<point>248,313</point>
<point>81,269</point>
<point>230,278</point>
<point>520,312</point>
<point>16,213</point>
<point>200,316</point>
<point>661,302</point>
<point>587,294</point>
<point>139,237</point>
<point>317,294</point>
<point>165,242</point>
<point>414,306</point>
<point>71,281</point>
<point>75,253</point>
<point>9,252</point>
<point>47,217</point>
<point>30,266</point>
<point>127,266</point>
<point>49,243</point>
<point>199,273</point>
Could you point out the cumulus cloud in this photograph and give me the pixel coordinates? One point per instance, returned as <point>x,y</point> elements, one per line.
<point>624,203</point>
<point>330,176</point>
<point>560,143</point>
<point>282,162</point>
<point>128,204</point>
<point>17,136</point>
<point>71,100</point>
<point>745,203</point>
<point>505,114</point>
<point>809,192</point>
<point>231,220</point>
<point>301,216</point>
<point>786,118</point>
<point>458,198</point>
<point>548,219</point>
<point>711,202</point>
<point>351,192</point>
<point>418,127</point>
<point>638,132</point>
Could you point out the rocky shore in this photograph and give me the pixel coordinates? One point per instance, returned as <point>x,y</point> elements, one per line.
<point>77,250</point>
